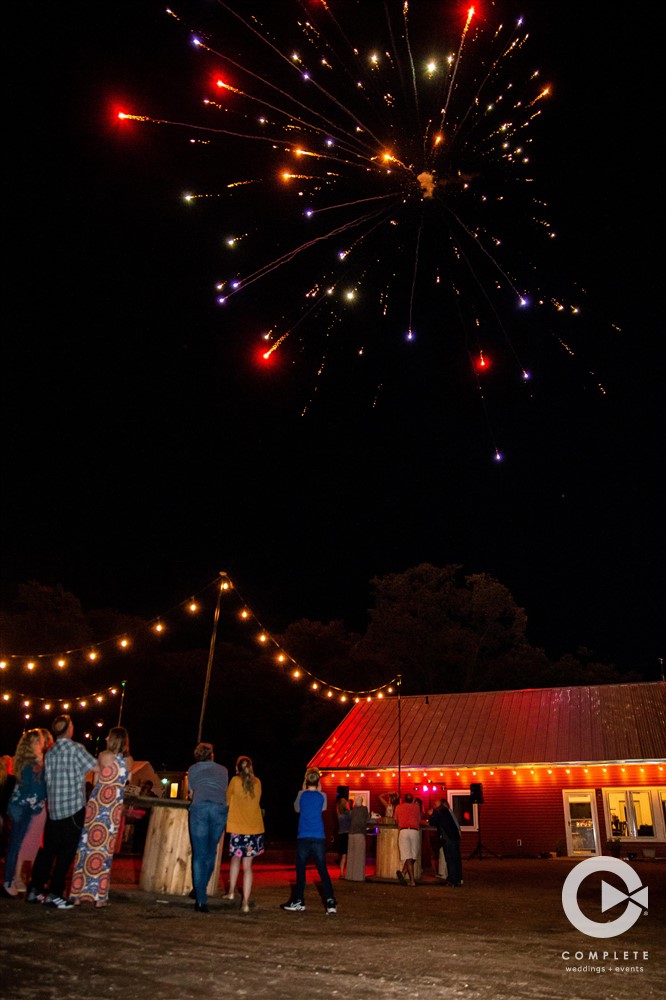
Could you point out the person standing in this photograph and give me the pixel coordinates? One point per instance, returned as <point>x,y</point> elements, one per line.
<point>35,836</point>
<point>446,822</point>
<point>433,851</point>
<point>310,804</point>
<point>142,817</point>
<point>91,877</point>
<point>389,802</point>
<point>358,829</point>
<point>343,814</point>
<point>246,827</point>
<point>28,800</point>
<point>7,785</point>
<point>408,816</point>
<point>207,784</point>
<point>65,766</point>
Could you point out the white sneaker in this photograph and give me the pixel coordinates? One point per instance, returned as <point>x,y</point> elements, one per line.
<point>295,907</point>
<point>58,902</point>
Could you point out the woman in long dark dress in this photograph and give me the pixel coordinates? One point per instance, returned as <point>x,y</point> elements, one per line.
<point>343,814</point>
<point>357,841</point>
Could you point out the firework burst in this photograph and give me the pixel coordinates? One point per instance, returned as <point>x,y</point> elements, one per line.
<point>371,173</point>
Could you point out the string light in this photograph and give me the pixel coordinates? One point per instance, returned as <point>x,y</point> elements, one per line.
<point>157,626</point>
<point>48,704</point>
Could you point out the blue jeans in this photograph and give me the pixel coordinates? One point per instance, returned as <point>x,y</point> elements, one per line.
<point>207,821</point>
<point>307,847</point>
<point>21,815</point>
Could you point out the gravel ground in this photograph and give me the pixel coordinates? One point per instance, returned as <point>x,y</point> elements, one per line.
<point>501,935</point>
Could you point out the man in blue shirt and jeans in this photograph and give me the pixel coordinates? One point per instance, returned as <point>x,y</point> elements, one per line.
<point>311,843</point>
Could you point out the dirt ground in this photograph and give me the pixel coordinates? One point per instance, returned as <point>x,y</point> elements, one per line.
<point>500,935</point>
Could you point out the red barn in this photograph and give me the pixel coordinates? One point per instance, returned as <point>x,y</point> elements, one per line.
<point>528,772</point>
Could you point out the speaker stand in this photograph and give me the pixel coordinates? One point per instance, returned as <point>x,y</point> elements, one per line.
<point>480,848</point>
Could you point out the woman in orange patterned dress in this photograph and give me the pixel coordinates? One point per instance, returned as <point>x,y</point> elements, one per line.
<point>92,866</point>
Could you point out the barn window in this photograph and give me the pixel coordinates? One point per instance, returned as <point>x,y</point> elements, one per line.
<point>635,813</point>
<point>465,811</point>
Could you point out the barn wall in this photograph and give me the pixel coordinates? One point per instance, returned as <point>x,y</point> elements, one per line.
<point>524,805</point>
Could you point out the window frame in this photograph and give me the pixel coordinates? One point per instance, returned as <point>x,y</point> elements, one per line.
<point>656,795</point>
<point>452,793</point>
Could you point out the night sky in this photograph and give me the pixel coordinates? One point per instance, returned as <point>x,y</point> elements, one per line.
<point>145,448</point>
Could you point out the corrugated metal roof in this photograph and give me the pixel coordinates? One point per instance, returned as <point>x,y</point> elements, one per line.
<point>609,722</point>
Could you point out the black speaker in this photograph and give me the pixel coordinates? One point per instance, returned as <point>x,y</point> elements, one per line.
<point>476,793</point>
<point>343,792</point>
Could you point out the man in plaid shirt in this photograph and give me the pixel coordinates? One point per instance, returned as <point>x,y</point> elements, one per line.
<point>65,765</point>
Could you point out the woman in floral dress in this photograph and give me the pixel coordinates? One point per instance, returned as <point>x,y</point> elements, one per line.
<point>92,866</point>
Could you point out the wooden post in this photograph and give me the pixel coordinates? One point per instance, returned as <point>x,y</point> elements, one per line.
<point>388,855</point>
<point>167,857</point>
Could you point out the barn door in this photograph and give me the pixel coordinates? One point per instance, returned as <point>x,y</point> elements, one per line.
<point>581,822</point>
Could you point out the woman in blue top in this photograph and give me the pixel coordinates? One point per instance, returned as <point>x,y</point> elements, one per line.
<point>27,800</point>
<point>311,843</point>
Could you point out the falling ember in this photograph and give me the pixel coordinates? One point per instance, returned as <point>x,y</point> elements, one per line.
<point>123,116</point>
<point>482,363</point>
